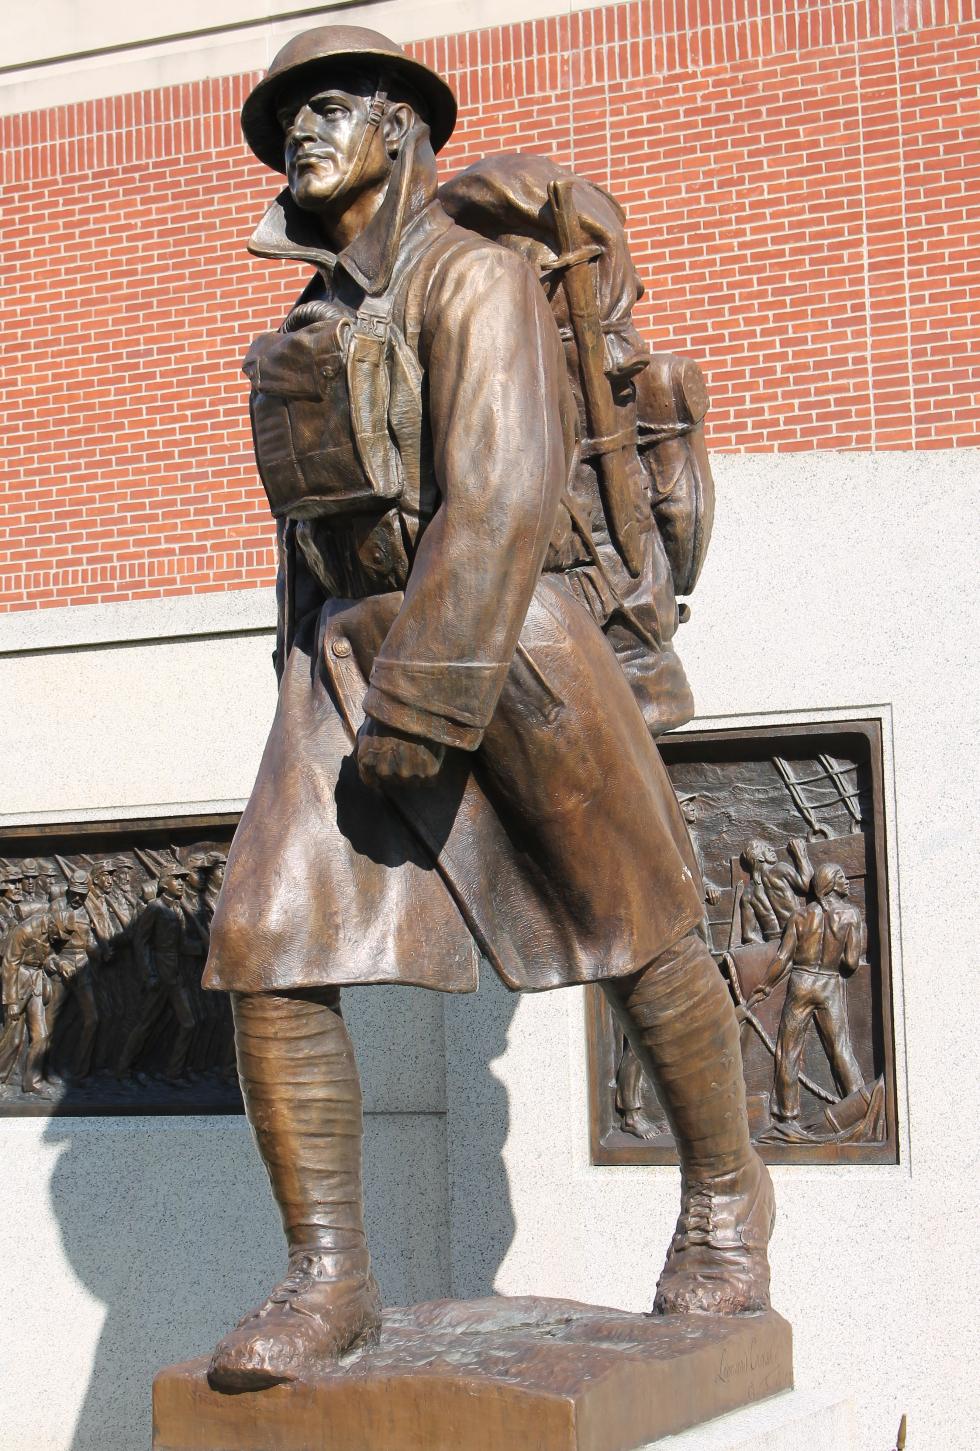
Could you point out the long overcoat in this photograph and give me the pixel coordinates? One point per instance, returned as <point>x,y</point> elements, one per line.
<point>550,841</point>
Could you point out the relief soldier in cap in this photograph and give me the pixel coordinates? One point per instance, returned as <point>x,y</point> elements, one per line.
<point>163,932</point>
<point>11,894</point>
<point>193,951</point>
<point>457,764</point>
<point>216,861</point>
<point>34,896</point>
<point>27,989</point>
<point>86,936</point>
<point>51,882</point>
<point>104,908</point>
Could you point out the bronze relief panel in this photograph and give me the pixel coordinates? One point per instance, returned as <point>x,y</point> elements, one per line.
<point>788,826</point>
<point>104,931</point>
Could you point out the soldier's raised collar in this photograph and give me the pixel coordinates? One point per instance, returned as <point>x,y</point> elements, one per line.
<point>287,232</point>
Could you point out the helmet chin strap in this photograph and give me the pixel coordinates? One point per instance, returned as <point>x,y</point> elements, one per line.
<point>375,115</point>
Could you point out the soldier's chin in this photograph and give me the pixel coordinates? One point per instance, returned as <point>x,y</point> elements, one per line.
<point>312,191</point>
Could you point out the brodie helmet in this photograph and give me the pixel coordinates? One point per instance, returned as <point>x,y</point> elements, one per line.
<point>307,53</point>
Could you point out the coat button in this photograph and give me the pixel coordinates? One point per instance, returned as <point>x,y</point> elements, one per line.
<point>341,647</point>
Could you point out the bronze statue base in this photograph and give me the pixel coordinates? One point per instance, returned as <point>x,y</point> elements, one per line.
<point>493,1375</point>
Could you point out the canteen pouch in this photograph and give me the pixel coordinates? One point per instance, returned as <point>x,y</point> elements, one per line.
<point>333,404</point>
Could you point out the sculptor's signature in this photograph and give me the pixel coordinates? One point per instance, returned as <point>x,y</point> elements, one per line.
<point>752,1361</point>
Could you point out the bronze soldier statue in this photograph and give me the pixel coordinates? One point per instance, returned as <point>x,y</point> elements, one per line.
<point>458,763</point>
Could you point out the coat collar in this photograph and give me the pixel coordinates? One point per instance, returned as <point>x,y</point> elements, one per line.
<point>287,232</point>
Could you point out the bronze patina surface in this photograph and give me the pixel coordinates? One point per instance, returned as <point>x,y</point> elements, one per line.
<point>525,1375</point>
<point>489,495</point>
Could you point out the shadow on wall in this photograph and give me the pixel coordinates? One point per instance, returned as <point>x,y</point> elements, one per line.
<point>478,1122</point>
<point>170,1224</point>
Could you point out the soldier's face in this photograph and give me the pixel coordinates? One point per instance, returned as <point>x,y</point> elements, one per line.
<point>322,129</point>
<point>76,896</point>
<point>102,880</point>
<point>13,891</point>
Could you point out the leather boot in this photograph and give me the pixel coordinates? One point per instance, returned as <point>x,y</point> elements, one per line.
<point>303,1100</point>
<point>681,1022</point>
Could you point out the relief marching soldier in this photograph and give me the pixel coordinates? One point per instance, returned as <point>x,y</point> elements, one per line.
<point>458,764</point>
<point>27,990</point>
<point>164,931</point>
<point>34,894</point>
<point>110,914</point>
<point>11,895</point>
<point>87,936</point>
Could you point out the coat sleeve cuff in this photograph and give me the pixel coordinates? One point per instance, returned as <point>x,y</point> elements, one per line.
<point>417,721</point>
<point>448,701</point>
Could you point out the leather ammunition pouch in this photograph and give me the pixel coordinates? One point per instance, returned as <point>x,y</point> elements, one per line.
<point>336,412</point>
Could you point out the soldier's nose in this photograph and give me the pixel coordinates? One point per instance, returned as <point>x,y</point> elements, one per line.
<point>303,127</point>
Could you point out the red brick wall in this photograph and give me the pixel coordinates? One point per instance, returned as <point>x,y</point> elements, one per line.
<point>801,186</point>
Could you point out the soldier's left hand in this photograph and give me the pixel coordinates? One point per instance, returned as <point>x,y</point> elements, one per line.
<point>386,756</point>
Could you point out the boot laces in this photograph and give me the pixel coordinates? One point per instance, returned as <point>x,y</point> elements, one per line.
<point>697,1214</point>
<point>302,1276</point>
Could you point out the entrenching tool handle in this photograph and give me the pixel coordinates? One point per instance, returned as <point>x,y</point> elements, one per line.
<point>583,309</point>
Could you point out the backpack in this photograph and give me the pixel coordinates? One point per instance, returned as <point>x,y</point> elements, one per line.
<point>643,489</point>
